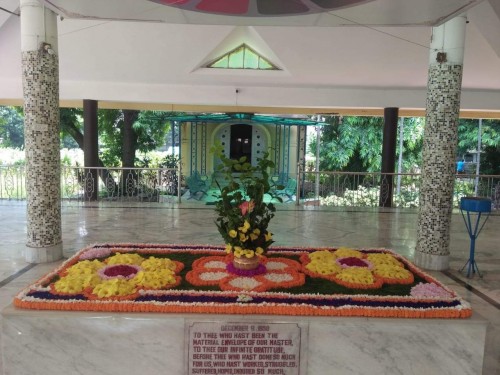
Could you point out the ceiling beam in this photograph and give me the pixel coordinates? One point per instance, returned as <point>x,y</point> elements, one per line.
<point>403,112</point>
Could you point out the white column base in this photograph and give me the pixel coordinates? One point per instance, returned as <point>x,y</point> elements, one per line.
<point>432,261</point>
<point>43,254</point>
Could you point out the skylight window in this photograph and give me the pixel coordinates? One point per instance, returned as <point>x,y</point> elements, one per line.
<point>242,57</point>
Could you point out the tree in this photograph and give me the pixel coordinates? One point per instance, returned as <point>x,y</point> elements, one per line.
<point>126,131</point>
<point>71,127</point>
<point>490,140</point>
<point>121,132</point>
<point>354,143</point>
<point>11,128</point>
<point>413,140</point>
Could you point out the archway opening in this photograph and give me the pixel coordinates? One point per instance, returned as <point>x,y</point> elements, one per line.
<point>241,141</point>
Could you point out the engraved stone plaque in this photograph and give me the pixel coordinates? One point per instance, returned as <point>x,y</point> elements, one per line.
<point>243,348</point>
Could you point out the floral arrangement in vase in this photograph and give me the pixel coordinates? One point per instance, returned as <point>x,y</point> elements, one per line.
<point>242,214</point>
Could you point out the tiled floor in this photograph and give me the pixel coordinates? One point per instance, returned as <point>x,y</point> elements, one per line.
<point>310,226</point>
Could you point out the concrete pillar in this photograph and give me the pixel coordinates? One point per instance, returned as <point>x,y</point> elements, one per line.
<point>90,148</point>
<point>440,144</point>
<point>41,126</point>
<point>388,156</point>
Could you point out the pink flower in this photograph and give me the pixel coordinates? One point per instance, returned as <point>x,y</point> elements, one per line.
<point>429,290</point>
<point>95,253</point>
<point>119,271</point>
<point>247,207</point>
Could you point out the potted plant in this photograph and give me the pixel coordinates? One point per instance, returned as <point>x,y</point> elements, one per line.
<point>243,215</point>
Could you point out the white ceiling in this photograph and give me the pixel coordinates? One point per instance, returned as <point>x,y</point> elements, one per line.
<point>370,12</point>
<point>379,62</point>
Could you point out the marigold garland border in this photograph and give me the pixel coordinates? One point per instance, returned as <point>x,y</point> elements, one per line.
<point>36,296</point>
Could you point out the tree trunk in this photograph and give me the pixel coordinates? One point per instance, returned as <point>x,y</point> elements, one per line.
<point>129,138</point>
<point>104,174</point>
<point>129,177</point>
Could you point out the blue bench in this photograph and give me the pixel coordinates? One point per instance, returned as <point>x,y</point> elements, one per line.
<point>289,190</point>
<point>198,185</point>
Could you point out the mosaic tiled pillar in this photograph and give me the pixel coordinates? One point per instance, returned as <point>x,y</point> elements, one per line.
<point>41,131</point>
<point>440,145</point>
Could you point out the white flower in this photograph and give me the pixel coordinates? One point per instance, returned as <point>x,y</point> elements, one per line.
<point>244,298</point>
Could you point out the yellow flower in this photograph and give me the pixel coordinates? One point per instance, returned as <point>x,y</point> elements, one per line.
<point>249,253</point>
<point>154,273</point>
<point>156,279</point>
<point>243,238</point>
<point>257,231</point>
<point>268,236</point>
<point>323,262</point>
<point>357,275</point>
<point>76,283</point>
<point>114,287</point>
<point>322,255</point>
<point>387,259</point>
<point>232,233</point>
<point>238,252</point>
<point>229,248</point>
<point>345,252</point>
<point>245,227</point>
<point>324,267</point>
<point>259,251</point>
<point>253,236</point>
<point>85,267</point>
<point>153,264</point>
<point>125,259</point>
<point>391,271</point>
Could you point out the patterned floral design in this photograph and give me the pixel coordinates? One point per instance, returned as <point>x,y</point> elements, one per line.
<point>213,270</point>
<point>355,269</point>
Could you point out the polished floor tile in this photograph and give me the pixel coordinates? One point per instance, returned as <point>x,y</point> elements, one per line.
<point>191,222</point>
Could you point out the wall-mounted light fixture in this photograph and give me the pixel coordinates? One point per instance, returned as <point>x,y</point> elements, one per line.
<point>47,48</point>
<point>441,57</point>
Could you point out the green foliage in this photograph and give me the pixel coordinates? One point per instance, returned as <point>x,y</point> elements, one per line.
<point>413,141</point>
<point>66,161</point>
<point>108,157</point>
<point>490,140</point>
<point>468,134</point>
<point>490,160</point>
<point>149,131</point>
<point>156,159</point>
<point>71,120</point>
<point>170,178</point>
<point>151,128</point>
<point>462,189</point>
<point>170,161</point>
<point>351,143</point>
<point>11,127</point>
<point>369,197</point>
<point>110,136</point>
<point>243,216</point>
<point>354,144</point>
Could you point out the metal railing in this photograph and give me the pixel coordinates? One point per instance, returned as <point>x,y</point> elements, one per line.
<point>356,189</point>
<point>120,184</point>
<point>12,182</point>
<point>103,184</point>
<point>325,188</point>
